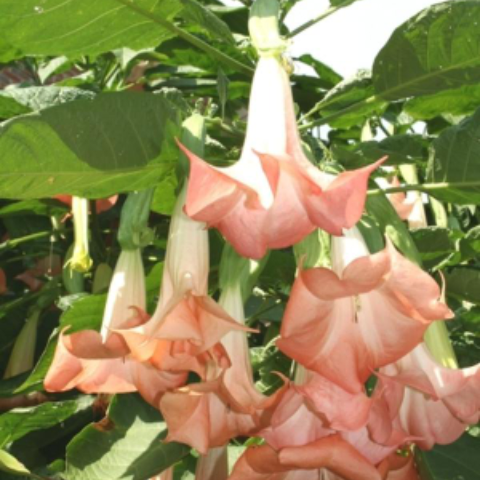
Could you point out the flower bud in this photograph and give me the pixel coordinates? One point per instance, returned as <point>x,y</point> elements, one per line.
<point>80,260</point>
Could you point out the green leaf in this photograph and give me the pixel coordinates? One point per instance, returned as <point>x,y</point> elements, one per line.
<point>438,49</point>
<point>390,223</point>
<point>459,101</point>
<point>434,244</point>
<point>127,445</point>
<point>457,461</point>
<point>46,207</point>
<point>164,197</point>
<point>214,27</point>
<point>350,91</point>
<point>400,149</point>
<point>329,77</point>
<point>8,463</point>
<point>455,158</point>
<point>114,143</point>
<point>31,99</point>
<point>19,422</point>
<point>82,27</point>
<point>464,283</point>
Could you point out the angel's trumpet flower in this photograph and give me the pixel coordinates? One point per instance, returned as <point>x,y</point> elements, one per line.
<point>368,312</point>
<point>273,196</point>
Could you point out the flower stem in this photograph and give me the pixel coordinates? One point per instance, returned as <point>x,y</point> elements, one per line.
<point>320,17</point>
<point>197,42</point>
<point>322,121</point>
<point>14,242</point>
<point>426,187</point>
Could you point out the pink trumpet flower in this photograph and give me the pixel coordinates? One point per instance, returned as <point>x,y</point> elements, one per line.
<point>273,196</point>
<point>185,330</point>
<point>368,312</point>
<point>84,360</point>
<point>208,414</point>
<point>435,404</point>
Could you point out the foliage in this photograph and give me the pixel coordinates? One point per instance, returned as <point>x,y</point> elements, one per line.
<point>105,88</point>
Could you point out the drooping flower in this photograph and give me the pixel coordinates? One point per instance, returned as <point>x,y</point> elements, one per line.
<point>273,196</point>
<point>366,313</point>
<point>185,330</point>
<point>208,414</point>
<point>435,403</point>
<point>99,362</point>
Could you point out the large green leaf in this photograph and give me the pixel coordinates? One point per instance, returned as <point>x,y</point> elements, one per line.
<point>459,101</point>
<point>400,149</point>
<point>457,461</point>
<point>17,101</point>
<point>19,422</point>
<point>455,158</point>
<point>438,49</point>
<point>464,283</point>
<point>355,90</point>
<point>76,27</point>
<point>127,445</point>
<point>92,148</point>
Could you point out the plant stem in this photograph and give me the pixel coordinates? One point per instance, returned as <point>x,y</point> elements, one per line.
<point>426,187</point>
<point>197,42</point>
<point>322,121</point>
<point>17,241</point>
<point>320,17</point>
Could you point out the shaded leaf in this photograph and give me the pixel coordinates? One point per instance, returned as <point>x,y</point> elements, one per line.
<point>438,49</point>
<point>400,149</point>
<point>391,225</point>
<point>116,142</point>
<point>350,91</point>
<point>327,75</point>
<point>459,101</point>
<point>455,157</point>
<point>19,422</point>
<point>31,99</point>
<point>198,14</point>
<point>464,283</point>
<point>457,461</point>
<point>125,445</point>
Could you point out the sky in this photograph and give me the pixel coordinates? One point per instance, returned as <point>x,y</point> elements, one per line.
<point>350,38</point>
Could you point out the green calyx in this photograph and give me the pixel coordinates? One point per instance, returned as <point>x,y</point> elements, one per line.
<point>237,271</point>
<point>264,30</point>
<point>134,232</point>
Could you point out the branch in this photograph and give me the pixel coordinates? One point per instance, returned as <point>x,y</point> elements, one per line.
<point>197,42</point>
<point>322,16</point>
<point>426,187</point>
